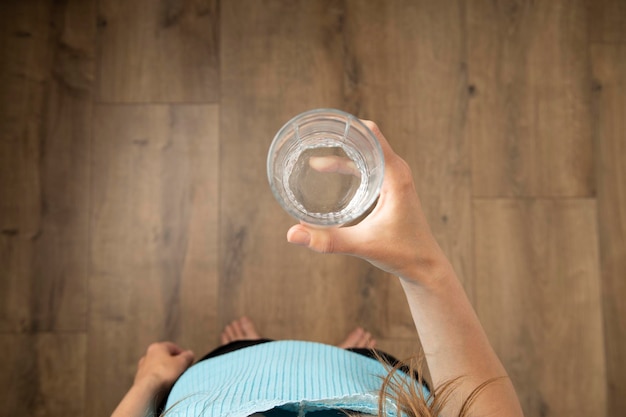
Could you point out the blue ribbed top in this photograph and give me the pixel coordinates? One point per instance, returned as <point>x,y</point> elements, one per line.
<point>301,375</point>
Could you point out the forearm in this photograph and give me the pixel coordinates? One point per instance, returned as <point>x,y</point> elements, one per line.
<point>454,341</point>
<point>139,401</point>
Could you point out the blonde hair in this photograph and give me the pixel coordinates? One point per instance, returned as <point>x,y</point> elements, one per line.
<point>410,399</point>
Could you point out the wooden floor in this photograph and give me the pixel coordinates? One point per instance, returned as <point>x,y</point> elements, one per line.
<point>134,205</point>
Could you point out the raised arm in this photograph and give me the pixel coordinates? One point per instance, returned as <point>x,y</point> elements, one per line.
<point>396,238</point>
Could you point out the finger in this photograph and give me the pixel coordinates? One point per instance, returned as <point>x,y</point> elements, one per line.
<point>186,357</point>
<point>172,348</point>
<point>333,163</point>
<point>397,171</point>
<point>321,240</point>
<point>384,143</point>
<point>326,240</point>
<point>183,360</point>
<point>392,159</point>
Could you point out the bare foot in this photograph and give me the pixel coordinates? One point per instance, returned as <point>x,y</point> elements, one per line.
<point>240,329</point>
<point>358,338</point>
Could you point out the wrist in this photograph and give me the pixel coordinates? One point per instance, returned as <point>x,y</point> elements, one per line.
<point>428,270</point>
<point>149,384</point>
<point>140,400</point>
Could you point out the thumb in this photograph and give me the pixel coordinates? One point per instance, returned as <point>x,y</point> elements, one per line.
<point>328,240</point>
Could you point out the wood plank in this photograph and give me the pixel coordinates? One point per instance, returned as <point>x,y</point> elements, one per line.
<point>538,296</point>
<point>529,117</point>
<point>43,375</point>
<point>609,69</point>
<point>61,248</point>
<point>607,21</point>
<point>154,239</point>
<point>45,159</point>
<point>23,68</point>
<point>273,68</point>
<point>160,51</point>
<point>410,78</point>
<point>16,292</point>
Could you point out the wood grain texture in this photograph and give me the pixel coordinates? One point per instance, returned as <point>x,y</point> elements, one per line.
<point>43,374</point>
<point>529,118</point>
<point>23,69</point>
<point>410,76</point>
<point>61,247</point>
<point>273,68</point>
<point>539,300</point>
<point>169,215</point>
<point>154,247</point>
<point>609,69</point>
<point>164,51</point>
<point>607,21</point>
<point>46,126</point>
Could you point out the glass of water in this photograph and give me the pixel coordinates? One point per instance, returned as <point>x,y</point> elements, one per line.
<point>325,167</point>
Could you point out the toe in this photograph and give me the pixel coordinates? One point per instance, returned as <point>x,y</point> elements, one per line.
<point>227,334</point>
<point>234,330</point>
<point>362,340</point>
<point>240,329</point>
<point>248,329</point>
<point>237,330</point>
<point>368,341</point>
<point>352,340</point>
<point>231,332</point>
<point>359,338</point>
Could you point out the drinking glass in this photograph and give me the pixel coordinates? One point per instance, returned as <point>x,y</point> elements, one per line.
<point>325,167</point>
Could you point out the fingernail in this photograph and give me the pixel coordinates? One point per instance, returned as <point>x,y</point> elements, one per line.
<point>300,237</point>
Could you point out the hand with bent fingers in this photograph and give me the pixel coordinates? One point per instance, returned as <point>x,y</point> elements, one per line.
<point>394,237</point>
<point>157,371</point>
<point>162,364</point>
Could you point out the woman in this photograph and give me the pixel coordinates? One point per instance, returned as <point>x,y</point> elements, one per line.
<point>467,376</point>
